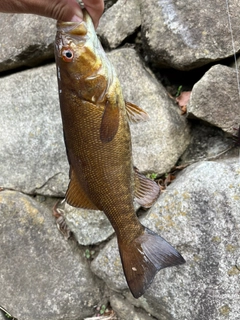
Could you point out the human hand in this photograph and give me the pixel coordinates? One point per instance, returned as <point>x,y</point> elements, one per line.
<point>64,10</point>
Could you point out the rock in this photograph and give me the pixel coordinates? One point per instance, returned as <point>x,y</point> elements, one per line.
<point>207,143</point>
<point>89,226</point>
<point>199,215</point>
<point>107,266</point>
<point>118,22</point>
<point>215,99</point>
<point>32,151</point>
<point>125,310</point>
<point>175,34</point>
<point>159,142</point>
<point>108,4</point>
<point>26,40</point>
<point>43,276</point>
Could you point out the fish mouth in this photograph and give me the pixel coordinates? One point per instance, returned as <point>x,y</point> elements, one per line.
<point>72,28</point>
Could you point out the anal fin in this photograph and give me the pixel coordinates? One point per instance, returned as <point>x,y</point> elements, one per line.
<point>146,190</point>
<point>76,195</point>
<point>144,257</point>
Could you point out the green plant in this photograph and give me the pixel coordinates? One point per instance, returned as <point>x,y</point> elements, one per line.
<point>179,90</point>
<point>89,254</point>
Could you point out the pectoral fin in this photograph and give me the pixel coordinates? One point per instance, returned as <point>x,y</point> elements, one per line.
<point>110,122</point>
<point>76,196</point>
<point>146,190</point>
<point>135,114</point>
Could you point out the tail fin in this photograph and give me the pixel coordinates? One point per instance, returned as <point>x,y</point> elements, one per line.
<point>144,257</point>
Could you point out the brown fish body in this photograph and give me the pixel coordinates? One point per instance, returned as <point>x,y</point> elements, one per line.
<point>98,142</point>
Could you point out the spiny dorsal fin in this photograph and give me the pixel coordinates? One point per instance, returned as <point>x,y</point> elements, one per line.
<point>76,196</point>
<point>110,121</point>
<point>135,114</point>
<point>143,257</point>
<point>146,190</point>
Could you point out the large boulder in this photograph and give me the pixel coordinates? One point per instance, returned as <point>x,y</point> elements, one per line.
<point>159,142</point>
<point>185,34</point>
<point>32,151</point>
<point>199,215</point>
<point>43,276</point>
<point>119,22</point>
<point>215,99</point>
<point>26,40</point>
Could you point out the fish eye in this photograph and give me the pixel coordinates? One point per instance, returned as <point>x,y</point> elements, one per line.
<point>67,55</point>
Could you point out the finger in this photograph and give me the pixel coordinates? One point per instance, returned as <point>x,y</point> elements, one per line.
<point>95,9</point>
<point>64,10</point>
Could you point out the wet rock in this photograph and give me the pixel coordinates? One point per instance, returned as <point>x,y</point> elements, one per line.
<point>215,99</point>
<point>176,35</point>
<point>43,276</point>
<point>159,142</point>
<point>32,151</point>
<point>26,40</point>
<point>199,215</point>
<point>118,22</point>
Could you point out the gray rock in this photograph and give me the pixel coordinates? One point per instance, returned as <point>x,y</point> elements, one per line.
<point>118,22</point>
<point>44,277</point>
<point>107,266</point>
<point>26,40</point>
<point>126,310</point>
<point>215,99</point>
<point>159,142</point>
<point>89,226</point>
<point>176,35</point>
<point>202,205</point>
<point>207,143</point>
<point>199,215</point>
<point>32,151</point>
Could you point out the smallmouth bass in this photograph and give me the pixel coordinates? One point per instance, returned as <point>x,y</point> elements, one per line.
<point>96,130</point>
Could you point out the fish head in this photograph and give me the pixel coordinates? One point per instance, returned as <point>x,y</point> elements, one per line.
<point>76,48</point>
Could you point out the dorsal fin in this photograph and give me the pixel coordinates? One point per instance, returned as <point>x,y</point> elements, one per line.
<point>135,114</point>
<point>110,121</point>
<point>76,196</point>
<point>146,190</point>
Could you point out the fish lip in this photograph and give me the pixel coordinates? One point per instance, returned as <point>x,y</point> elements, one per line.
<point>62,24</point>
<point>73,29</point>
<point>67,26</point>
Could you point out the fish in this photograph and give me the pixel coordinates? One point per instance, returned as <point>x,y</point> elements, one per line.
<point>97,137</point>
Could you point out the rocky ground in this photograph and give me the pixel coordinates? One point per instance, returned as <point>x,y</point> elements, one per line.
<point>188,147</point>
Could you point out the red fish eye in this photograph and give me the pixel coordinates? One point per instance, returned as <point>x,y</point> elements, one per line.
<point>67,55</point>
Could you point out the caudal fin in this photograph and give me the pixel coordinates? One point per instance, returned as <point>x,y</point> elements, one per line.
<point>144,257</point>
